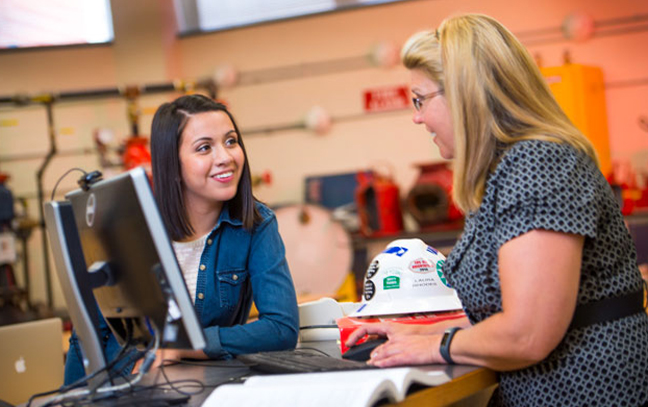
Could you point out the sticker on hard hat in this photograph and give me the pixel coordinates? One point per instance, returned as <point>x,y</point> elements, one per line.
<point>439,269</point>
<point>369,290</point>
<point>431,250</point>
<point>421,266</point>
<point>397,250</point>
<point>391,283</point>
<point>373,268</point>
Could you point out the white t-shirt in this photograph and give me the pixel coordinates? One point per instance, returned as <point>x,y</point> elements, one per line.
<point>188,255</point>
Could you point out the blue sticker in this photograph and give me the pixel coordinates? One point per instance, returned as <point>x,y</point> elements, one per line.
<point>398,251</point>
<point>431,250</point>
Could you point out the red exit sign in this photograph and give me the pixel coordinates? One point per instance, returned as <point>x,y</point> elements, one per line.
<point>388,98</point>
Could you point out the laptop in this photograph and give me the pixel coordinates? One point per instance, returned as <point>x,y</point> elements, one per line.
<point>31,359</point>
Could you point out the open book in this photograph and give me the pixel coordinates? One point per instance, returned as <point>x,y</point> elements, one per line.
<point>359,388</point>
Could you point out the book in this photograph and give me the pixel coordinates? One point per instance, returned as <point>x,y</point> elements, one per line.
<point>359,388</point>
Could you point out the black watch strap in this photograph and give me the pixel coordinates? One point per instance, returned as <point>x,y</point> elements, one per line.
<point>444,348</point>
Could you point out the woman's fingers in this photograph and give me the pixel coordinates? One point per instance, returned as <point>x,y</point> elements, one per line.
<point>355,335</point>
<point>380,329</point>
<point>404,350</point>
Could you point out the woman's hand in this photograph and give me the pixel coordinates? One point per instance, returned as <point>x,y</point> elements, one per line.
<point>407,350</point>
<point>160,356</point>
<point>392,329</point>
<point>384,329</point>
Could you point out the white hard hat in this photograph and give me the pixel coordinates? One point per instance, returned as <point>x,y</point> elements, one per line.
<point>407,277</point>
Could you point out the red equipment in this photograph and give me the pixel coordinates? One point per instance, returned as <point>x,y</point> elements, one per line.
<point>430,200</point>
<point>136,153</point>
<point>378,202</point>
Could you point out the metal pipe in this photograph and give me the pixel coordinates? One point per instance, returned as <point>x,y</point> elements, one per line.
<point>101,93</point>
<point>41,199</point>
<point>24,230</point>
<point>59,153</point>
<point>25,259</point>
<point>90,94</point>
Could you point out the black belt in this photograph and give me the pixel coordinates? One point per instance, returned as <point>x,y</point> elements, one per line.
<point>608,309</point>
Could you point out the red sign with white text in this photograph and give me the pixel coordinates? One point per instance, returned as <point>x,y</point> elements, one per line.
<point>388,98</point>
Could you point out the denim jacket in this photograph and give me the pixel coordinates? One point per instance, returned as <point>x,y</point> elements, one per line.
<point>237,266</point>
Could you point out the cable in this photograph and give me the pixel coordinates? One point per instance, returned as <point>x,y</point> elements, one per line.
<point>63,176</point>
<point>123,353</point>
<point>84,182</point>
<point>83,380</point>
<point>135,356</point>
<point>318,326</point>
<point>170,383</point>
<point>149,358</point>
<point>231,363</point>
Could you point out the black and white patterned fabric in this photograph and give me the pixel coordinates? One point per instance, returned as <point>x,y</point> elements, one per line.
<point>551,186</point>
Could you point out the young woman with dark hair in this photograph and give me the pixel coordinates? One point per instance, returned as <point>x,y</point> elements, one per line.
<point>227,243</point>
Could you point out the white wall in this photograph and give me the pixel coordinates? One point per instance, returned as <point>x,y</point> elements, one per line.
<point>146,51</point>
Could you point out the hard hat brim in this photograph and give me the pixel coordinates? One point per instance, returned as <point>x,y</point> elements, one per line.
<point>408,306</point>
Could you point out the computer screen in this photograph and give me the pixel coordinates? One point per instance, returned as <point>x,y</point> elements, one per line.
<point>110,239</point>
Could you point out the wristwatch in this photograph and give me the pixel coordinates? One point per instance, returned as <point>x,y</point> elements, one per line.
<point>444,348</point>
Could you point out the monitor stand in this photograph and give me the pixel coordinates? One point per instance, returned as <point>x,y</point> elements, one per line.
<point>76,285</point>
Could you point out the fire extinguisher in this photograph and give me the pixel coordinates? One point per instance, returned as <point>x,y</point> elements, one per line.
<point>378,201</point>
<point>136,153</point>
<point>136,150</point>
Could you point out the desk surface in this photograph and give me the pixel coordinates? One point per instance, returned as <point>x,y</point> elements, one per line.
<point>465,380</point>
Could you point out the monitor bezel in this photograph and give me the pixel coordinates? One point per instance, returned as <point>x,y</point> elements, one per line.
<point>142,189</point>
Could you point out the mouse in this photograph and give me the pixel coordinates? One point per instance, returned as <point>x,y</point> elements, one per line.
<point>362,352</point>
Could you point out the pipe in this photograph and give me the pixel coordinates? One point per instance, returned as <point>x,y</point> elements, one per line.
<point>41,200</point>
<point>59,153</point>
<point>101,93</point>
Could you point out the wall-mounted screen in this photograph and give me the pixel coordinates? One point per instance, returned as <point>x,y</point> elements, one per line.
<point>53,23</point>
<point>198,16</point>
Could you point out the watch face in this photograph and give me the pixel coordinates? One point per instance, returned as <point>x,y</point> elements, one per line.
<point>444,348</point>
<point>444,339</point>
<point>447,335</point>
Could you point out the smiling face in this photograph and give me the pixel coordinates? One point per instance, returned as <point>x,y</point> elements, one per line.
<point>211,161</point>
<point>434,112</point>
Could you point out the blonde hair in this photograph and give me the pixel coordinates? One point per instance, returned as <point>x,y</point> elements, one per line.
<point>496,93</point>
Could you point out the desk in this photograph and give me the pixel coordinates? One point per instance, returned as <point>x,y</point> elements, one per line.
<point>466,380</point>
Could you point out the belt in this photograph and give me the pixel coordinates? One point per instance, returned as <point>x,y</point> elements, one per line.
<point>608,309</point>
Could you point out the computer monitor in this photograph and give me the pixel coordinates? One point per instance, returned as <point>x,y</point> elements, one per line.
<point>110,245</point>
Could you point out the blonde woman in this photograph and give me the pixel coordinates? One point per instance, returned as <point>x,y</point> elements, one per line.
<point>545,268</point>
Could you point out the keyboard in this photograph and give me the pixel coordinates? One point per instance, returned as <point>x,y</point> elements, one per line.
<point>298,361</point>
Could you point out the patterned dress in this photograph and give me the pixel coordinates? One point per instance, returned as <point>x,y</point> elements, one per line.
<point>551,186</point>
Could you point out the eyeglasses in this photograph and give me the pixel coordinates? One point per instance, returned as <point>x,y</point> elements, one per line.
<point>418,101</point>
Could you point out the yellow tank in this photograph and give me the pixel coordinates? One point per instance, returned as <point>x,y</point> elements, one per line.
<point>580,91</point>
